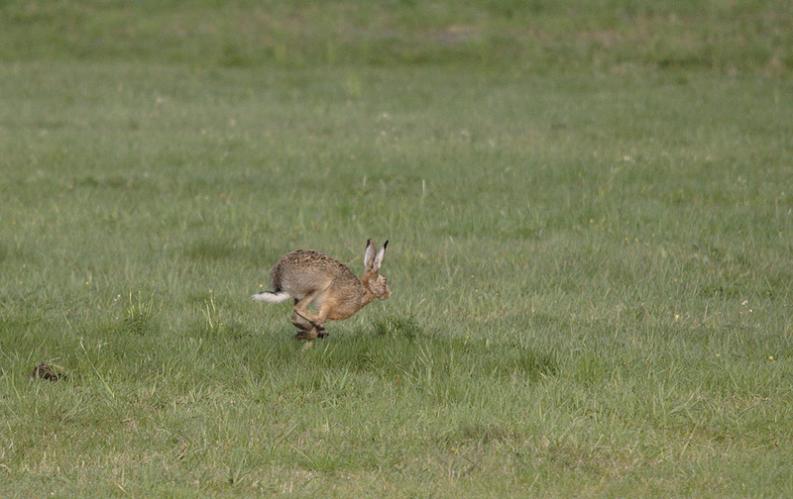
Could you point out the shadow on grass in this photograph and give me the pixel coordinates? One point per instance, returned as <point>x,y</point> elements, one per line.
<point>211,250</point>
<point>399,347</point>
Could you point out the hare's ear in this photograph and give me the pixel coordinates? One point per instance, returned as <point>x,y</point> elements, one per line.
<point>368,255</point>
<point>378,260</point>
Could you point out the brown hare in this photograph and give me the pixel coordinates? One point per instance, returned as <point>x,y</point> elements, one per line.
<point>310,277</point>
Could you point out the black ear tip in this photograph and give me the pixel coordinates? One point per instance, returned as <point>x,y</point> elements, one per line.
<point>368,242</point>
<point>385,244</point>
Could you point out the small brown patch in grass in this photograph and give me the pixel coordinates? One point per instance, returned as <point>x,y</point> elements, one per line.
<point>45,371</point>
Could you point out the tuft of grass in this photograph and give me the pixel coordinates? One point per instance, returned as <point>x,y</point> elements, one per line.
<point>138,318</point>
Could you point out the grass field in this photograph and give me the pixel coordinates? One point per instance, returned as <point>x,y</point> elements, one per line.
<point>590,212</point>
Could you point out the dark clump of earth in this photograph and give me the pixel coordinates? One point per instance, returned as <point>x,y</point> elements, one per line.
<point>45,371</point>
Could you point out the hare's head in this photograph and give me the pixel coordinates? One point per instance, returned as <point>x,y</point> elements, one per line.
<point>375,282</point>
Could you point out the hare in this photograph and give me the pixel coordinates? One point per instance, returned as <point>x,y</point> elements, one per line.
<point>310,277</point>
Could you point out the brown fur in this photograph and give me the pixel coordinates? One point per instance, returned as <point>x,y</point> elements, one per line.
<point>313,278</point>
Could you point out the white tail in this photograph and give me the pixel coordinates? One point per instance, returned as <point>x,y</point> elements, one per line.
<point>270,297</point>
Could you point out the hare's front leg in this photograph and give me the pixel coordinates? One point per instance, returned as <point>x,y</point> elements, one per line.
<point>324,311</point>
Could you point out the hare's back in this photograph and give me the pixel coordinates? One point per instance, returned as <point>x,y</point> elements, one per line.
<point>303,271</point>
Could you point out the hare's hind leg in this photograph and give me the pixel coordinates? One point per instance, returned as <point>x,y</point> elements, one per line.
<point>305,329</point>
<point>304,320</point>
<point>318,320</point>
<point>307,334</point>
<point>312,325</point>
<point>301,316</point>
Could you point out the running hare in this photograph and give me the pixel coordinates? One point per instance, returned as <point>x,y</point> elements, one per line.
<point>310,277</point>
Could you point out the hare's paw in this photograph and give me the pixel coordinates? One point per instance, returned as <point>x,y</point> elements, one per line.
<point>307,334</point>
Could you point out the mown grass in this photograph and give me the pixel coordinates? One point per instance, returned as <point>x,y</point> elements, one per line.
<point>539,35</point>
<point>589,258</point>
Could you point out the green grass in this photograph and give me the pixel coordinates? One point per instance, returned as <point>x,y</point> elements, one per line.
<point>590,212</point>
